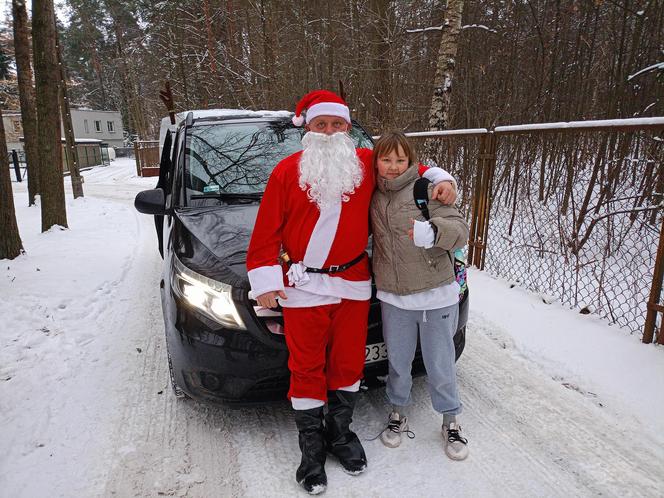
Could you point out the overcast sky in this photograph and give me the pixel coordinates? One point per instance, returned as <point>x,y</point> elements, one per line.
<point>6,9</point>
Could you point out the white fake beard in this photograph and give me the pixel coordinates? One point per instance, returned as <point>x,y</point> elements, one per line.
<point>329,168</point>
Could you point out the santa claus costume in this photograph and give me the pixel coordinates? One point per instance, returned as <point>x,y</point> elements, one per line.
<point>315,210</point>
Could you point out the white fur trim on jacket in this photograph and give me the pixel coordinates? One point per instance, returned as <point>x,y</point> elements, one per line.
<point>322,237</point>
<point>323,289</point>
<point>265,279</point>
<point>436,175</point>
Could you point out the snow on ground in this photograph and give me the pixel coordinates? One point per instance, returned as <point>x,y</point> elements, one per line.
<point>556,403</point>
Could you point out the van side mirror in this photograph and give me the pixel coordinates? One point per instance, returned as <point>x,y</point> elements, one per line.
<point>151,202</point>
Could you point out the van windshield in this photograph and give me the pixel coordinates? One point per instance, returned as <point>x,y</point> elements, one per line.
<point>237,158</point>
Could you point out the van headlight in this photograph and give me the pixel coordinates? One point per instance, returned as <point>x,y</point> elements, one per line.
<point>211,297</point>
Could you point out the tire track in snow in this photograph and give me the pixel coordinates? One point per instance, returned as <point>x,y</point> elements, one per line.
<point>165,446</point>
<point>575,445</point>
<point>529,436</point>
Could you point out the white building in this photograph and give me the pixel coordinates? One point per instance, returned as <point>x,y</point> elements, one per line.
<point>105,126</point>
<point>13,129</point>
<point>100,125</point>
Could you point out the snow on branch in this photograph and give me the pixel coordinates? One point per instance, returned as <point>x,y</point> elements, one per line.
<point>659,65</point>
<point>440,28</point>
<point>479,26</point>
<point>432,28</point>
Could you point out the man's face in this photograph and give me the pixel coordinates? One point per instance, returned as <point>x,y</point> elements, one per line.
<point>328,125</point>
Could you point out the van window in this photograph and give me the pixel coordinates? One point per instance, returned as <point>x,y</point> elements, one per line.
<point>239,157</point>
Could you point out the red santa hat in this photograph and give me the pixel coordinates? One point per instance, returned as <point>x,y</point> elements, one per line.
<point>320,103</point>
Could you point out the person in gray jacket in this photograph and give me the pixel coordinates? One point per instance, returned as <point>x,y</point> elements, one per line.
<point>413,265</point>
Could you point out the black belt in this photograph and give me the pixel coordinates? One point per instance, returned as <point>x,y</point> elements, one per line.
<point>336,268</point>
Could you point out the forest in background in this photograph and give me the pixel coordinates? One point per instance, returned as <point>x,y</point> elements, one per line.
<point>518,61</point>
<point>574,213</point>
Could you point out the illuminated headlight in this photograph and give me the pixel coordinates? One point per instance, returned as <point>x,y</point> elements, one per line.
<point>211,297</point>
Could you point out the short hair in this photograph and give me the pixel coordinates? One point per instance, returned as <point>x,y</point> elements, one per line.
<point>390,141</point>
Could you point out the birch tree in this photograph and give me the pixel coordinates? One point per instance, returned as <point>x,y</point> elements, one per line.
<point>439,114</point>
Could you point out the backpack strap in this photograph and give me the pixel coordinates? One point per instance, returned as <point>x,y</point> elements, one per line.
<point>421,196</point>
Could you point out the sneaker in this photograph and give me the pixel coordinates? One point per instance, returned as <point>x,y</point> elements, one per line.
<point>391,435</point>
<point>456,446</point>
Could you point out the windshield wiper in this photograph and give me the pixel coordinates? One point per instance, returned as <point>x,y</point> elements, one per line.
<point>229,195</point>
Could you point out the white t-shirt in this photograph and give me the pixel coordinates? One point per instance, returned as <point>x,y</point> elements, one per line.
<point>440,297</point>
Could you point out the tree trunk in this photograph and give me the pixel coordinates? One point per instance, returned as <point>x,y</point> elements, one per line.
<point>382,64</point>
<point>26,95</point>
<point>70,142</point>
<point>10,240</point>
<point>442,85</point>
<point>51,183</point>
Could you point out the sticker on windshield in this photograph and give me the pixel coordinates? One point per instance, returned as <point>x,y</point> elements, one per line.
<point>210,188</point>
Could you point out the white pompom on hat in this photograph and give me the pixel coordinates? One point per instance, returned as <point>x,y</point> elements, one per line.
<point>320,103</point>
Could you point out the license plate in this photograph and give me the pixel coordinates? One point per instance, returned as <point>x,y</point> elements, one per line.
<point>375,352</point>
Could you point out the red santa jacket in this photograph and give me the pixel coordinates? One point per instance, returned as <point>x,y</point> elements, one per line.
<point>287,219</point>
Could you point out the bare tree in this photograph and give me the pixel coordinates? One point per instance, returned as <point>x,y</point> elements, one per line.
<point>10,240</point>
<point>26,95</point>
<point>51,183</point>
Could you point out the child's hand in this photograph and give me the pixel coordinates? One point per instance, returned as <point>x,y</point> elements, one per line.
<point>445,192</point>
<point>410,232</point>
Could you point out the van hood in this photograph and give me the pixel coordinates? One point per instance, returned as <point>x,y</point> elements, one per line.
<point>213,241</point>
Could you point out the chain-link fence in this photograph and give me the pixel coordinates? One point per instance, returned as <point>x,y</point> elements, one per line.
<point>572,214</point>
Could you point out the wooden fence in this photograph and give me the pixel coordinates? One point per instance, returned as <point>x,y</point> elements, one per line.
<point>147,157</point>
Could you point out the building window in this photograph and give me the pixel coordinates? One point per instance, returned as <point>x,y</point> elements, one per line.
<point>98,126</point>
<point>16,124</point>
<point>111,126</point>
<point>85,125</point>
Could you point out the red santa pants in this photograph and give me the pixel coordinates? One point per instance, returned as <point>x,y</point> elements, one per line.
<point>326,346</point>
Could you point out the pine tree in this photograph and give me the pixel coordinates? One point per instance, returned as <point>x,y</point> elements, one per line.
<point>51,181</point>
<point>26,95</point>
<point>10,240</point>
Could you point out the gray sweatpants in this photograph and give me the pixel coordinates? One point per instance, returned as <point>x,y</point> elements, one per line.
<point>436,330</point>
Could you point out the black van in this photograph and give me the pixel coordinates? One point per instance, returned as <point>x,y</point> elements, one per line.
<point>223,347</point>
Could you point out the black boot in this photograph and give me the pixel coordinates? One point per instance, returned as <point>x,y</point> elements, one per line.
<point>311,472</point>
<point>341,441</point>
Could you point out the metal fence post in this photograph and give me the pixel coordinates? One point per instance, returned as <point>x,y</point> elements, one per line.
<point>490,165</point>
<point>655,292</point>
<point>17,167</point>
<point>479,225</point>
<point>472,238</point>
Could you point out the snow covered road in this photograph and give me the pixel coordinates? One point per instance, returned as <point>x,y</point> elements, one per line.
<point>86,407</point>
